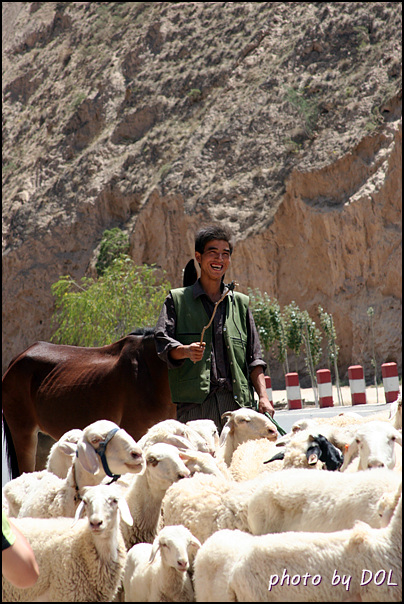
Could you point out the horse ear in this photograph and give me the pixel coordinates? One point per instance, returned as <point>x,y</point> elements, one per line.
<point>190,275</point>
<point>87,457</point>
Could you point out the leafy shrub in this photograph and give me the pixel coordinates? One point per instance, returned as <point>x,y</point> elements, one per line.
<point>113,243</point>
<point>100,311</point>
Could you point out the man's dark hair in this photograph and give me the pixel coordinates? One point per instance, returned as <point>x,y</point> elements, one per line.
<point>209,233</point>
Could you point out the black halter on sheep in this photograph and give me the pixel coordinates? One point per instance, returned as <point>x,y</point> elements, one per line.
<point>320,449</point>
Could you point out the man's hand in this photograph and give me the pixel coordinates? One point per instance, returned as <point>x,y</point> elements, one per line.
<point>264,406</point>
<point>258,380</point>
<point>193,351</point>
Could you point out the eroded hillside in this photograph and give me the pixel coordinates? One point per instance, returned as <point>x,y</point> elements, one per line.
<point>281,119</point>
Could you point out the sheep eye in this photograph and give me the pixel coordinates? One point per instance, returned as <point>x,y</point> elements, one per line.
<point>95,440</point>
<point>393,438</point>
<point>114,500</point>
<point>358,440</point>
<point>153,461</point>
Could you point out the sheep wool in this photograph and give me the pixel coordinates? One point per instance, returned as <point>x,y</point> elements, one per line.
<point>302,500</point>
<point>76,563</point>
<point>358,564</point>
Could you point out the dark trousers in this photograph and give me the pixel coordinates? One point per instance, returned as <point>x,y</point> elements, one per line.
<point>212,408</point>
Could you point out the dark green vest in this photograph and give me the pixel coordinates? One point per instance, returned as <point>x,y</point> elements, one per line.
<point>190,383</point>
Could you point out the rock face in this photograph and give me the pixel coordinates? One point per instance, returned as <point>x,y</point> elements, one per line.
<point>282,120</point>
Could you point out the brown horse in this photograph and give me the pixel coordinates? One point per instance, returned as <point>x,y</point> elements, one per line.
<point>53,388</point>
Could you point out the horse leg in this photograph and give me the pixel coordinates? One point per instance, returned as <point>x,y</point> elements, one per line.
<point>24,444</point>
<point>26,450</point>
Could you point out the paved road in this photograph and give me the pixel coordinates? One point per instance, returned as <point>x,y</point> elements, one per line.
<point>286,418</point>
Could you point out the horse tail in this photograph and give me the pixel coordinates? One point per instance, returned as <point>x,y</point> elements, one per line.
<point>12,462</point>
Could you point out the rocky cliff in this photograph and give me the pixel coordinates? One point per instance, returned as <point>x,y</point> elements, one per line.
<point>281,119</point>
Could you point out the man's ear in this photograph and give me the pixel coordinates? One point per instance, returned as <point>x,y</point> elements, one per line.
<point>198,257</point>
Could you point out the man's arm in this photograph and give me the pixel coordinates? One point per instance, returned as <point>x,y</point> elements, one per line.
<point>18,561</point>
<point>192,351</point>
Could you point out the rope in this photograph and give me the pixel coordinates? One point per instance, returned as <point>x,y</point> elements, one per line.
<point>281,431</point>
<point>101,452</point>
<point>228,288</point>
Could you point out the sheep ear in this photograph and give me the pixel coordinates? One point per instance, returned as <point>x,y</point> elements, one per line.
<point>224,434</point>
<point>187,455</point>
<point>195,543</point>
<point>87,457</point>
<point>125,511</point>
<point>312,459</point>
<point>226,414</point>
<point>284,440</point>
<point>353,448</point>
<point>178,441</point>
<point>280,455</point>
<point>79,512</point>
<point>399,437</point>
<point>154,550</point>
<point>68,448</point>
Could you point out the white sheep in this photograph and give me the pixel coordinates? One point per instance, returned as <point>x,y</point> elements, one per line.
<point>358,564</point>
<point>208,430</point>
<point>82,562</point>
<point>340,429</point>
<point>145,493</point>
<point>174,433</point>
<point>302,500</point>
<point>160,572</point>
<point>250,457</point>
<point>45,495</point>
<point>374,442</point>
<point>62,453</point>
<point>242,425</point>
<point>205,504</point>
<point>197,461</point>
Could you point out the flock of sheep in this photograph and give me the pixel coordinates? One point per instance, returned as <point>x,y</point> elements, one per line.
<point>190,516</point>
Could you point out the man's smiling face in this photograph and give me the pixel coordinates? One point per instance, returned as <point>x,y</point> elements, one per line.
<point>215,259</point>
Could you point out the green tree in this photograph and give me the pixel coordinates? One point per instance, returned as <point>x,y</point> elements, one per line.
<point>294,322</point>
<point>270,324</point>
<point>312,343</point>
<point>371,313</point>
<point>260,305</point>
<point>113,243</point>
<point>99,311</point>
<point>327,323</point>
